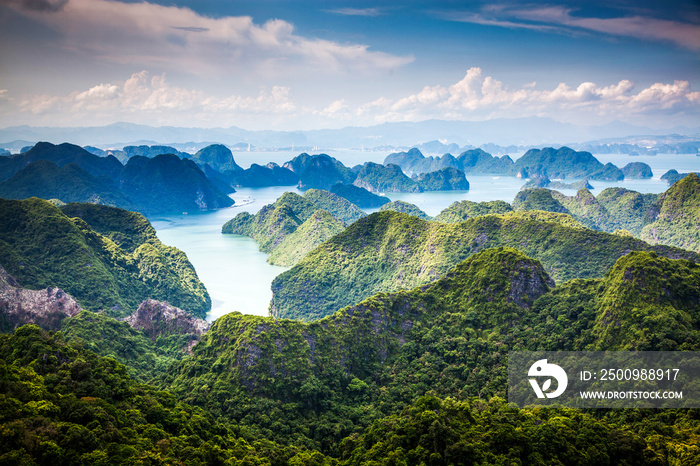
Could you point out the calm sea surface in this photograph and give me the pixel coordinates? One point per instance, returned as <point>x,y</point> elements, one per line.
<point>237,274</point>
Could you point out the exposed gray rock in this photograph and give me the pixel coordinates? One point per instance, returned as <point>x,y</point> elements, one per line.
<point>46,308</point>
<point>155,318</point>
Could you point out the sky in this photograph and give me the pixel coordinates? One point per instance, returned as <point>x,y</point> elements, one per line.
<point>303,64</point>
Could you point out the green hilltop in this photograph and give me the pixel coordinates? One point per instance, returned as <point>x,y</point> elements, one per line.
<point>319,171</point>
<point>446,179</point>
<point>675,217</point>
<point>161,184</point>
<point>63,404</point>
<point>359,196</point>
<point>112,267</point>
<point>388,251</point>
<point>406,208</point>
<point>329,384</point>
<point>318,228</point>
<point>273,226</point>
<point>671,218</point>
<point>460,211</point>
<point>378,178</point>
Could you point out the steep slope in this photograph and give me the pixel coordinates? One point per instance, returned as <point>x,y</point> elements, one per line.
<point>257,176</point>
<point>474,161</point>
<point>675,218</point>
<point>359,196</point>
<point>69,183</point>
<point>319,171</point>
<point>162,184</point>
<point>450,338</point>
<point>613,209</point>
<point>538,199</point>
<point>637,171</point>
<point>63,404</point>
<point>273,222</point>
<point>322,370</point>
<point>19,306</point>
<point>341,208</point>
<point>406,208</point>
<point>388,251</point>
<point>565,163</point>
<point>585,208</point>
<point>41,246</point>
<point>276,222</point>
<point>479,162</point>
<point>318,228</point>
<point>390,178</point>
<point>672,176</point>
<point>626,210</point>
<point>460,211</point>
<point>650,303</point>
<point>167,183</point>
<point>61,155</point>
<point>446,179</point>
<point>414,162</point>
<point>147,341</point>
<point>218,157</point>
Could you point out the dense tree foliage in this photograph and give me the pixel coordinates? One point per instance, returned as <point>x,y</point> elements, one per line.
<point>62,404</point>
<point>388,251</point>
<point>378,178</point>
<point>275,225</point>
<point>675,217</point>
<point>317,229</point>
<point>637,170</point>
<point>474,161</point>
<point>336,376</point>
<point>217,156</point>
<point>406,208</point>
<point>319,171</point>
<point>460,211</point>
<point>112,267</point>
<point>565,163</point>
<point>446,179</point>
<point>359,196</point>
<point>162,184</point>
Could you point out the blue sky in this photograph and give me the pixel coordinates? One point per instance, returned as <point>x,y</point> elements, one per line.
<point>309,64</point>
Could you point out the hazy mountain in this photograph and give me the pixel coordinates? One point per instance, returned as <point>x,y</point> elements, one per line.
<point>505,131</point>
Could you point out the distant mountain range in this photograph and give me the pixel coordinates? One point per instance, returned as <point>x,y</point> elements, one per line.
<point>515,131</point>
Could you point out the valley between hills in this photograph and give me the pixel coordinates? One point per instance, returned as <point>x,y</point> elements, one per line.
<point>388,337</point>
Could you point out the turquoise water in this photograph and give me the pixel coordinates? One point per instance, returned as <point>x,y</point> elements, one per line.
<point>232,268</point>
<point>236,273</point>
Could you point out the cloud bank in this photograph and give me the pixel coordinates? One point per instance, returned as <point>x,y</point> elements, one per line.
<point>178,38</point>
<point>150,99</point>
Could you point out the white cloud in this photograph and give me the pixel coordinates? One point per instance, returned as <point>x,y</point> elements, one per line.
<point>478,97</point>
<point>151,99</point>
<point>560,19</point>
<point>338,109</point>
<point>178,38</point>
<point>357,11</point>
<point>684,34</point>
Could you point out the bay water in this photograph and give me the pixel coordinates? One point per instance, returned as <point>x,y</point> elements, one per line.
<point>237,274</point>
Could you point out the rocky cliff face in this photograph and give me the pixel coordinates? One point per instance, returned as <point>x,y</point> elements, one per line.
<point>19,306</point>
<point>157,319</point>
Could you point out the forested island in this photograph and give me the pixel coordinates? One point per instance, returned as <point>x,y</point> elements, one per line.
<point>388,338</point>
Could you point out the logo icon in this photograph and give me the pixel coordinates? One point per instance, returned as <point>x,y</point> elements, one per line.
<point>542,369</point>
